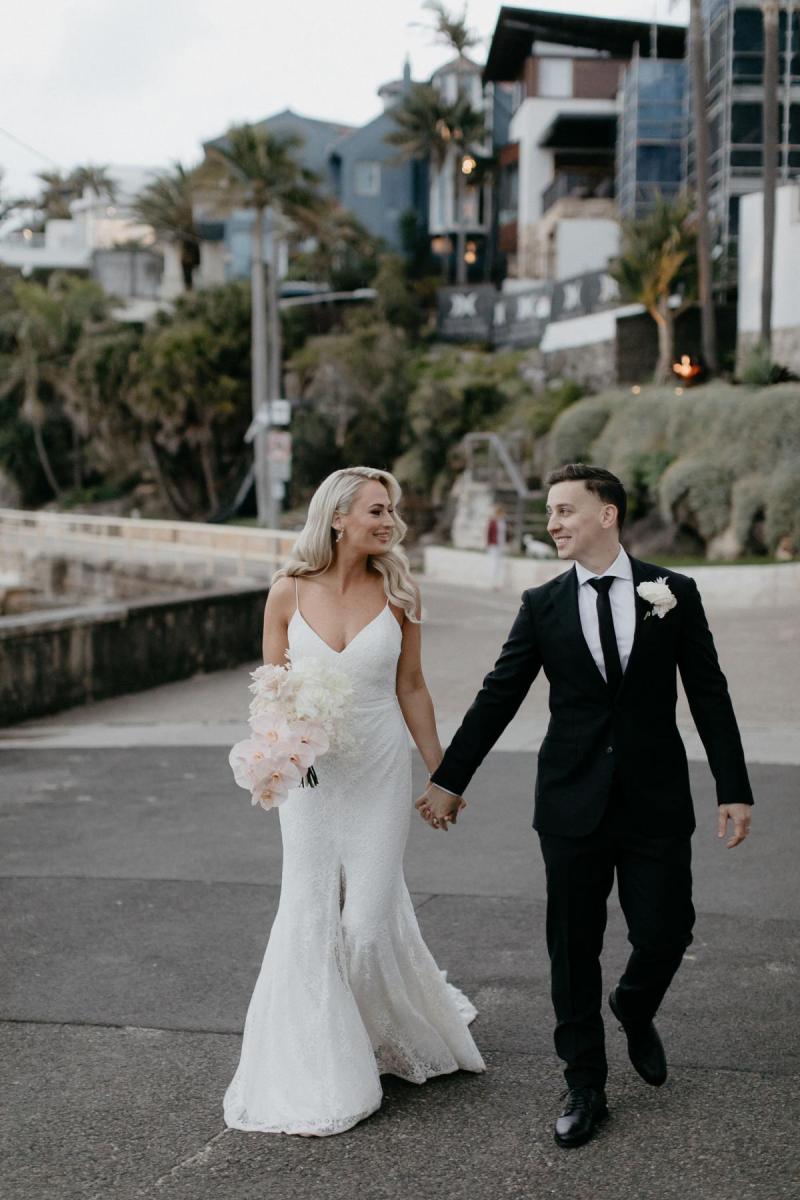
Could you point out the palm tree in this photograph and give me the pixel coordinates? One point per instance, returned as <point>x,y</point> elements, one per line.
<point>259,170</point>
<point>96,178</point>
<point>770,13</point>
<point>58,189</point>
<point>658,259</point>
<point>168,205</point>
<point>431,128</point>
<point>450,29</point>
<point>697,57</point>
<point>453,31</point>
<point>6,206</point>
<point>47,325</point>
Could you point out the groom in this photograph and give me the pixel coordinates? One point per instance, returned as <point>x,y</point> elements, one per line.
<point>612,791</point>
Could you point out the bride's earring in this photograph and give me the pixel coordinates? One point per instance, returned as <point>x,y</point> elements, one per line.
<point>339,534</point>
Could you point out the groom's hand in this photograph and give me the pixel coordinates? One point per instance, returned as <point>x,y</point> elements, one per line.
<point>439,808</point>
<point>740,815</point>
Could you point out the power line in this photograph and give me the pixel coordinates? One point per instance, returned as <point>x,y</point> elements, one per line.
<point>32,149</point>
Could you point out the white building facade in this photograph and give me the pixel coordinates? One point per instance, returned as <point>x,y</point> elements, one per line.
<point>785,305</point>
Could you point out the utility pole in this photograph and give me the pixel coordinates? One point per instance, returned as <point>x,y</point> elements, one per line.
<point>770,11</point>
<point>259,376</point>
<point>697,58</point>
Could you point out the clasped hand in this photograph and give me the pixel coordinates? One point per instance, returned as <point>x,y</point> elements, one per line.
<point>439,808</point>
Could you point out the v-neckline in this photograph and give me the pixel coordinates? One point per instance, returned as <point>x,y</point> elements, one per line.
<point>344,649</point>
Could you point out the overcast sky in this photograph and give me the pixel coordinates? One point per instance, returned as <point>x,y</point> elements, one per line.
<point>107,81</point>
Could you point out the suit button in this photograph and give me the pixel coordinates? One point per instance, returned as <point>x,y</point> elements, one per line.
<point>609,749</point>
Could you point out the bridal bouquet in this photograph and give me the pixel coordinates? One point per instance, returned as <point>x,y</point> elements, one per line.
<point>296,713</point>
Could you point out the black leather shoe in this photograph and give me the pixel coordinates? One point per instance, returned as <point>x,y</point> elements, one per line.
<point>584,1109</point>
<point>644,1046</point>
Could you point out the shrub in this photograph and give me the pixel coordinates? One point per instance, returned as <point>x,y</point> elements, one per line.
<point>576,429</point>
<point>748,502</point>
<point>695,491</point>
<point>706,456</point>
<point>783,507</point>
<point>759,370</point>
<point>534,413</point>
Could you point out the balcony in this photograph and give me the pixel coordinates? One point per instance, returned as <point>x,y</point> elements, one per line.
<point>578,185</point>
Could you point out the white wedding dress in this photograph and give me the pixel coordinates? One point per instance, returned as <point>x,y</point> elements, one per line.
<point>348,989</point>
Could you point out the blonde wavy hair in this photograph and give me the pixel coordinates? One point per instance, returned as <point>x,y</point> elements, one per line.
<point>315,549</point>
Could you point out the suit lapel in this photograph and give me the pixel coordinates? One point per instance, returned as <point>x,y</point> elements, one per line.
<point>640,575</point>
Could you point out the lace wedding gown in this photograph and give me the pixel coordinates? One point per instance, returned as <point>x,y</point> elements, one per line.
<point>348,989</point>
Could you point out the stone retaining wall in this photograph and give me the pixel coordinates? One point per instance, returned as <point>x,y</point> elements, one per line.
<point>50,661</point>
<point>772,585</point>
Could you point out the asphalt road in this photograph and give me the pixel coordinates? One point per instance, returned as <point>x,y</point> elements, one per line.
<point>138,891</point>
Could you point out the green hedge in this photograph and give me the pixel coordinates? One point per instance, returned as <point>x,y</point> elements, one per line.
<point>714,458</point>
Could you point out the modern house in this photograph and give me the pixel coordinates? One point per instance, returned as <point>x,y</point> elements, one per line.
<point>103,239</point>
<point>368,176</point>
<point>558,170</point>
<point>355,165</point>
<point>735,42</point>
<point>651,132</point>
<point>473,217</point>
<point>231,232</point>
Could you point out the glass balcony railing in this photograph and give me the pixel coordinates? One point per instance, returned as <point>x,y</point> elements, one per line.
<point>578,185</point>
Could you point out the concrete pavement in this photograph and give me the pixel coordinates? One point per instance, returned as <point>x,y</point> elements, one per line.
<point>139,886</point>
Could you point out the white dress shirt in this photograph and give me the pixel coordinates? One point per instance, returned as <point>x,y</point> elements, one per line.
<point>623,609</point>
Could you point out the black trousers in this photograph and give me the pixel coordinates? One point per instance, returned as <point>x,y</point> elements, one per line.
<point>654,882</point>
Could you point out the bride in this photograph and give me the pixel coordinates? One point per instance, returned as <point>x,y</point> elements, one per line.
<point>348,989</point>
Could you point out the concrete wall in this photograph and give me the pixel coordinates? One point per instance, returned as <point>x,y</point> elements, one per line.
<point>51,661</point>
<point>584,348</point>
<point>585,244</point>
<point>785,306</point>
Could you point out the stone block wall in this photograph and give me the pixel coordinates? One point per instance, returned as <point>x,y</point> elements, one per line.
<point>51,661</point>
<point>593,366</point>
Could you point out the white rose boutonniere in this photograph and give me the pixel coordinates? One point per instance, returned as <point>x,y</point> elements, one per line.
<point>657,593</point>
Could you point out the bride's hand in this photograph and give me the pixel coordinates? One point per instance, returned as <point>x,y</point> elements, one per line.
<point>439,808</point>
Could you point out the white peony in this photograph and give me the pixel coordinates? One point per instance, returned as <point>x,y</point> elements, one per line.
<point>657,593</point>
<point>296,714</point>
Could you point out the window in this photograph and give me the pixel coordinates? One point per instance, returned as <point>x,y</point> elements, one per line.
<point>746,124</point>
<point>368,178</point>
<point>555,77</point>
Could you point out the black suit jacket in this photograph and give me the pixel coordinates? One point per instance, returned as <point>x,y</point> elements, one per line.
<point>595,736</point>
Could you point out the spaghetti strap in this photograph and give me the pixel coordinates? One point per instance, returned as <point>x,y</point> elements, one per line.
<point>296,596</point>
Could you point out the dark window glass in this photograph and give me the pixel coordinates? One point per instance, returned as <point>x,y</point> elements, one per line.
<point>748,29</point>
<point>746,158</point>
<point>748,68</point>
<point>746,124</point>
<point>658,163</point>
<point>794,124</point>
<point>733,216</point>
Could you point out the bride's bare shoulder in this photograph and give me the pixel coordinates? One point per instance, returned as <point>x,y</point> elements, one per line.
<point>280,597</point>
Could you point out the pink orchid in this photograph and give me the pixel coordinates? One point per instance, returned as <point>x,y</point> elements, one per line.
<point>273,788</point>
<point>312,735</point>
<point>273,728</point>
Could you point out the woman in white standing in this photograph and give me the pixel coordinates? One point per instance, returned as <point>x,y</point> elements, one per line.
<point>348,989</point>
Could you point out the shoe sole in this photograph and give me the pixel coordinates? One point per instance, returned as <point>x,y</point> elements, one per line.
<point>650,1082</point>
<point>573,1143</point>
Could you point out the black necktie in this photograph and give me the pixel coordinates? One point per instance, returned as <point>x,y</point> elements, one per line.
<point>608,636</point>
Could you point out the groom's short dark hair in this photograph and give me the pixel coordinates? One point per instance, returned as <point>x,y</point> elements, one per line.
<point>604,485</point>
